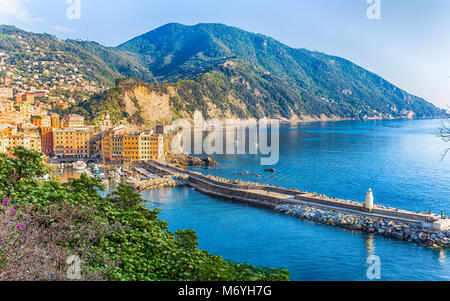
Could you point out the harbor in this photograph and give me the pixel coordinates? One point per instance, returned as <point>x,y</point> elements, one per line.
<point>111,175</point>
<point>427,229</point>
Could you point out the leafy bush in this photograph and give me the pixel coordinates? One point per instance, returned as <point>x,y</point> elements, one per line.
<point>116,237</point>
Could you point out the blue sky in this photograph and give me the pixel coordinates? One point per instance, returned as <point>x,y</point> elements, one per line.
<point>409,45</point>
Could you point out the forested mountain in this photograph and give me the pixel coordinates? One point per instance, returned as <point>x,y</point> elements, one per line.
<point>228,72</point>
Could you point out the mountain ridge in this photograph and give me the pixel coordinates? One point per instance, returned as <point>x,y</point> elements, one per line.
<point>228,72</point>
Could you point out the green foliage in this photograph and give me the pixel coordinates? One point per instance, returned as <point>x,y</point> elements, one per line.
<point>142,247</point>
<point>24,166</point>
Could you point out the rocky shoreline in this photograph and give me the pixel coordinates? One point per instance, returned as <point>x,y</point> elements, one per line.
<point>158,183</point>
<point>184,161</point>
<point>379,226</point>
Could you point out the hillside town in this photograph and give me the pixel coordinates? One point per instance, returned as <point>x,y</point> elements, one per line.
<point>28,119</point>
<point>27,63</point>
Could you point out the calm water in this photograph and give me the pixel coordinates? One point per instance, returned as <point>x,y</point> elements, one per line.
<point>399,160</point>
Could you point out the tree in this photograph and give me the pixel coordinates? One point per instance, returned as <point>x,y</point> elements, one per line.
<point>42,223</point>
<point>444,133</point>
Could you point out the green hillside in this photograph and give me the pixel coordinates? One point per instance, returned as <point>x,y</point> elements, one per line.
<point>222,71</point>
<point>269,77</point>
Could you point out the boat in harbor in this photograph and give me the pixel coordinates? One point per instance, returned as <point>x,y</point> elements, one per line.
<point>96,169</point>
<point>80,165</point>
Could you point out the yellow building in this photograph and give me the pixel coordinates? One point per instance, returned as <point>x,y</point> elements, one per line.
<point>28,97</point>
<point>117,149</point>
<point>55,121</point>
<point>151,147</point>
<point>126,145</point>
<point>71,142</point>
<point>25,109</point>
<point>30,141</point>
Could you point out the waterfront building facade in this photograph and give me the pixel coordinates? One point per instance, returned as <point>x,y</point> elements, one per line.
<point>71,142</point>
<point>127,145</point>
<point>47,141</point>
<point>151,146</point>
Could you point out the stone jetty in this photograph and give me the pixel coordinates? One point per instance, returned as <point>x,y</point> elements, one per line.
<point>183,160</point>
<point>157,183</point>
<point>376,225</point>
<point>426,229</point>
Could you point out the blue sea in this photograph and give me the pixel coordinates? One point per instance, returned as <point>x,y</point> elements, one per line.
<point>399,160</point>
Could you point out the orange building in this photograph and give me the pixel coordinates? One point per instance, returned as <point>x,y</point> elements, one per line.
<point>71,142</point>
<point>47,141</point>
<point>125,145</point>
<point>42,121</point>
<point>37,120</point>
<point>131,147</point>
<point>28,97</point>
<point>105,146</point>
<point>18,98</point>
<point>112,144</point>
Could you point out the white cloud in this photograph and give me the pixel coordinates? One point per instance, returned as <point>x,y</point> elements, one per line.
<point>15,10</point>
<point>62,29</point>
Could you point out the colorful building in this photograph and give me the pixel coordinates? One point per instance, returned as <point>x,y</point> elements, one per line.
<point>55,121</point>
<point>42,121</point>
<point>122,145</point>
<point>105,146</point>
<point>72,121</point>
<point>47,141</point>
<point>117,149</point>
<point>25,109</point>
<point>151,147</point>
<point>131,147</point>
<point>30,141</point>
<point>28,97</point>
<point>71,142</point>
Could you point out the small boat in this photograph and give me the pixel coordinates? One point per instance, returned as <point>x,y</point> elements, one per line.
<point>80,165</point>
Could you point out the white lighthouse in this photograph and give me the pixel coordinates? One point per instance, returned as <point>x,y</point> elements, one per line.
<point>369,200</point>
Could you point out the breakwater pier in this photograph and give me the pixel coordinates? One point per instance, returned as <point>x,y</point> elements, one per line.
<point>426,229</point>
